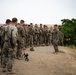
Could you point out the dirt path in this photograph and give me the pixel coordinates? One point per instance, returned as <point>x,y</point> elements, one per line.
<point>44,62</point>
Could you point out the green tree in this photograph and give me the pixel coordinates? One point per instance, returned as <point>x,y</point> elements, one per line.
<point>69,29</point>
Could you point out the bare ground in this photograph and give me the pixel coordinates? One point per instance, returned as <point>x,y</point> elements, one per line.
<point>43,61</point>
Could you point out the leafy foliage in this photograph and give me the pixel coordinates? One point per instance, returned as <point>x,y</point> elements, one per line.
<point>69,29</point>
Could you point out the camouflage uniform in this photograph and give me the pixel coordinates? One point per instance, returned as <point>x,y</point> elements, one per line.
<point>36,36</point>
<point>2,36</point>
<point>44,35</point>
<point>55,39</point>
<point>27,37</point>
<point>47,37</point>
<point>40,36</point>
<point>9,46</point>
<point>50,36</point>
<point>31,35</point>
<point>20,40</point>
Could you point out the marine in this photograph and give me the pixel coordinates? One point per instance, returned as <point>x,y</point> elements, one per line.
<point>31,36</point>
<point>41,35</point>
<point>55,38</point>
<point>20,39</point>
<point>9,45</point>
<point>36,35</point>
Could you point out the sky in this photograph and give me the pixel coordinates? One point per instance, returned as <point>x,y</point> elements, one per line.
<point>38,11</point>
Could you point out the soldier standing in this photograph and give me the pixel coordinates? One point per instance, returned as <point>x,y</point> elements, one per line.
<point>55,38</point>
<point>25,39</point>
<point>20,39</point>
<point>10,43</point>
<point>28,36</point>
<point>5,47</point>
<point>47,36</point>
<point>2,40</point>
<point>2,34</point>
<point>36,35</point>
<point>40,35</point>
<point>31,33</point>
<point>50,36</point>
<point>44,35</point>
